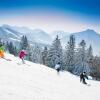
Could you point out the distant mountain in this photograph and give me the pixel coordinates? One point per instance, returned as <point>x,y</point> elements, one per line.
<point>40,37</point>
<point>12,33</point>
<point>60,33</point>
<point>23,30</point>
<point>8,34</point>
<point>90,36</point>
<point>36,35</point>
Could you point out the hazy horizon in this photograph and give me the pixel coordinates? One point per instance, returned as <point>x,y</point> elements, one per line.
<point>32,29</point>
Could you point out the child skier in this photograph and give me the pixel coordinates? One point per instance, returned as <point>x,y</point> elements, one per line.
<point>82,77</point>
<point>57,67</point>
<point>22,55</point>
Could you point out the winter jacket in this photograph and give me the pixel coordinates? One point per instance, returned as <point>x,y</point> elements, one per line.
<point>2,48</point>
<point>83,76</point>
<point>57,66</point>
<point>22,54</point>
<point>1,52</point>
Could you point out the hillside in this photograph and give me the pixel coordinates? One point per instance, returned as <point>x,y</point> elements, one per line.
<point>32,81</point>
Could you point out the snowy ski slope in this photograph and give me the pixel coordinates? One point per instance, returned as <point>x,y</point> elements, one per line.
<point>32,81</point>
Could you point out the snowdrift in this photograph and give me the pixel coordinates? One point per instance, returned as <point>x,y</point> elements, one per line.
<point>32,81</point>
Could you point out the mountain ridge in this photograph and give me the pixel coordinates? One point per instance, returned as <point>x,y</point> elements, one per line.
<point>39,36</point>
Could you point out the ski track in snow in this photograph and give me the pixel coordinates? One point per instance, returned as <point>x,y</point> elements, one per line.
<point>38,82</point>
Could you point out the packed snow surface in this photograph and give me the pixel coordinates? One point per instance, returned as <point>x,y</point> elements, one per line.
<point>32,81</point>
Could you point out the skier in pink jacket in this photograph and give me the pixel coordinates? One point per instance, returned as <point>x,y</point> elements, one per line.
<point>22,54</point>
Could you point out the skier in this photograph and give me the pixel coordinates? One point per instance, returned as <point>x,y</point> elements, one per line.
<point>82,77</point>
<point>1,51</point>
<point>22,54</point>
<point>57,67</point>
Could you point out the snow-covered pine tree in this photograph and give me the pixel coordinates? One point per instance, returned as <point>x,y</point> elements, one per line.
<point>0,41</point>
<point>90,52</point>
<point>24,43</point>
<point>90,58</point>
<point>55,53</point>
<point>69,56</point>
<point>44,56</point>
<point>7,46</point>
<point>15,51</point>
<point>29,52</point>
<point>82,65</point>
<point>12,49</point>
<point>96,66</point>
<point>37,55</point>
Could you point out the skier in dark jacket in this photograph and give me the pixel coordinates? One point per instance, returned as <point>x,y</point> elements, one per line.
<point>82,77</point>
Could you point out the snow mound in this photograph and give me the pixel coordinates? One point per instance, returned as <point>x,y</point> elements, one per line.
<point>32,81</point>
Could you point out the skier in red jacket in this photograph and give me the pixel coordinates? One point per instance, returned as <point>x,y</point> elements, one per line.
<point>22,55</point>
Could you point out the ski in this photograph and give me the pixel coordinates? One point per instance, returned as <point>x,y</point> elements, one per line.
<point>7,59</point>
<point>23,64</point>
